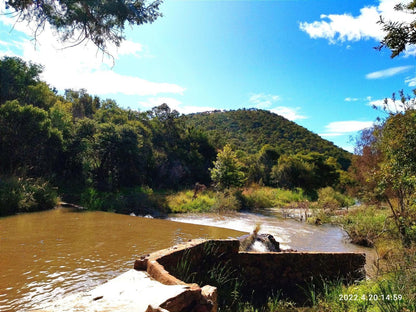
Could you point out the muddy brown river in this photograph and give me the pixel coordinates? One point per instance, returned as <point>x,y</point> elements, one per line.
<point>47,255</point>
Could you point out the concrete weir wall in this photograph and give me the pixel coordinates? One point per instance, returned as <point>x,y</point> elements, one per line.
<point>160,282</point>
<point>262,273</point>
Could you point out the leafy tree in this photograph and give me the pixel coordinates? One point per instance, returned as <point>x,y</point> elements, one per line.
<point>120,163</point>
<point>397,179</point>
<point>364,166</point>
<point>291,172</point>
<point>399,34</point>
<point>385,169</point>
<point>227,170</point>
<point>268,157</point>
<point>102,22</point>
<point>199,155</point>
<point>40,95</point>
<point>83,104</point>
<point>324,170</point>
<point>81,157</point>
<point>61,119</point>
<point>309,172</point>
<point>28,142</point>
<point>16,77</point>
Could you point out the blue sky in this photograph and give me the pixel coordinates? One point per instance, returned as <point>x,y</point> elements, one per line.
<point>310,61</point>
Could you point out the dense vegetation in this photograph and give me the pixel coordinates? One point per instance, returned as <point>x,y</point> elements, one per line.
<point>91,151</point>
<point>250,129</point>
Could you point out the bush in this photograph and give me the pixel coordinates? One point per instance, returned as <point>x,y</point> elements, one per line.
<point>25,195</point>
<point>227,201</point>
<point>284,198</point>
<point>95,200</point>
<point>253,197</point>
<point>185,202</point>
<point>10,196</point>
<point>328,198</point>
<point>365,224</point>
<point>256,197</point>
<point>139,200</point>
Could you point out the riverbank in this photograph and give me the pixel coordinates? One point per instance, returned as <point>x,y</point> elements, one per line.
<point>18,195</point>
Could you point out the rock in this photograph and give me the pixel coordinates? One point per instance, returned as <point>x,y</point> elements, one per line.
<point>269,241</point>
<point>141,263</point>
<point>210,293</point>
<point>259,242</point>
<point>185,300</point>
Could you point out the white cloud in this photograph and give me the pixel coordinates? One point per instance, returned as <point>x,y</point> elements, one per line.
<point>389,72</point>
<point>261,100</point>
<point>288,112</point>
<point>411,82</point>
<point>266,101</point>
<point>338,128</point>
<point>173,104</point>
<point>346,27</point>
<point>392,106</point>
<point>83,66</point>
<point>410,51</point>
<point>350,99</point>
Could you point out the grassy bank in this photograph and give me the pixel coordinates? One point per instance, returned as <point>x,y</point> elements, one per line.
<point>250,198</point>
<point>255,197</point>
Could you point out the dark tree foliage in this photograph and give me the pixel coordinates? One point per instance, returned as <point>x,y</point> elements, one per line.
<point>83,104</point>
<point>100,21</point>
<point>310,172</point>
<point>182,155</point>
<point>16,77</point>
<point>20,81</point>
<point>29,145</point>
<point>399,34</point>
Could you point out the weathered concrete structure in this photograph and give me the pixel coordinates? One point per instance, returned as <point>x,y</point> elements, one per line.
<point>262,273</point>
<point>156,283</point>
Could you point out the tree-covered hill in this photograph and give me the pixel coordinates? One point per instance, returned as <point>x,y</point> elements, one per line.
<point>250,129</point>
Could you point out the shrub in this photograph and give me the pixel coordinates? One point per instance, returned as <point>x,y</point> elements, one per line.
<point>227,201</point>
<point>25,195</point>
<point>185,202</point>
<point>328,198</point>
<point>284,197</point>
<point>256,197</point>
<point>10,196</point>
<point>138,200</point>
<point>93,199</point>
<point>365,224</point>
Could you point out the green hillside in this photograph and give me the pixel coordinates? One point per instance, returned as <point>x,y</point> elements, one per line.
<point>250,129</point>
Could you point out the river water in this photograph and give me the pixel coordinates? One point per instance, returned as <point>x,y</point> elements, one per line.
<point>47,255</point>
<point>289,232</point>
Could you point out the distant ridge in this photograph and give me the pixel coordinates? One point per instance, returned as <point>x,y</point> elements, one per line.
<point>249,129</point>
